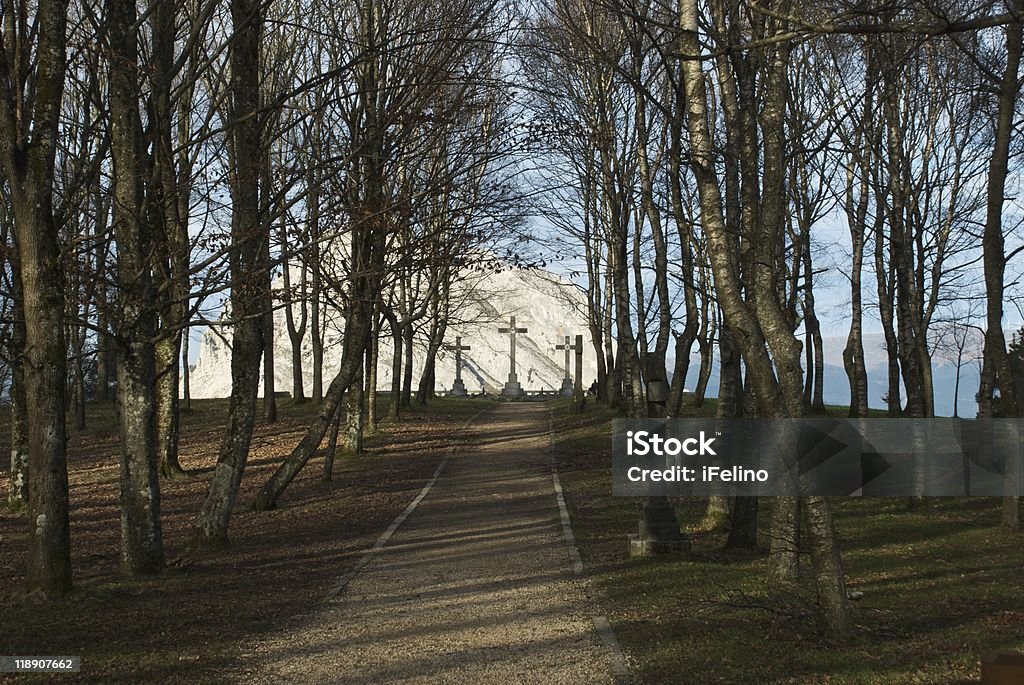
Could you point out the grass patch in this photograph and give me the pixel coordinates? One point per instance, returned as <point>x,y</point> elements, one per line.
<point>942,585</point>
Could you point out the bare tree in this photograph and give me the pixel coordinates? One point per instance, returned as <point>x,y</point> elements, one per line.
<point>32,75</point>
<point>249,271</point>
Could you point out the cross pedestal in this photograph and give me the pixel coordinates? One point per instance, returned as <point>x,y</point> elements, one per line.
<point>458,387</point>
<point>512,387</point>
<point>658,530</point>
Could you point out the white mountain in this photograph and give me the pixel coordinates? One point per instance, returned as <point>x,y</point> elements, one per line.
<point>550,307</point>
<point>547,305</point>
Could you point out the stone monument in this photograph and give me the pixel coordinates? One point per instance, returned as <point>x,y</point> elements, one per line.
<point>458,387</point>
<point>658,530</point>
<point>567,385</point>
<point>512,387</point>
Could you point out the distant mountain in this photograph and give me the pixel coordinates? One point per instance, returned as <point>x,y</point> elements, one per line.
<point>549,306</point>
<point>837,388</point>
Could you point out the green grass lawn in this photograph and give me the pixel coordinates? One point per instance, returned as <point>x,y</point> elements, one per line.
<point>942,585</point>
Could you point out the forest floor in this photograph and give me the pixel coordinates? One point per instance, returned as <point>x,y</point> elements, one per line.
<point>477,576</point>
<point>188,624</point>
<point>942,585</point>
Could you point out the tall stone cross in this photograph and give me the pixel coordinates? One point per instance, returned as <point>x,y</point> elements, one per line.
<point>458,347</point>
<point>567,381</point>
<point>458,387</point>
<point>512,387</point>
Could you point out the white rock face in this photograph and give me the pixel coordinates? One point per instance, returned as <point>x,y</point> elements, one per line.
<point>549,306</point>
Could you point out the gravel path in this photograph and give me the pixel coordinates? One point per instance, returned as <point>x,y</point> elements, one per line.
<point>476,586</point>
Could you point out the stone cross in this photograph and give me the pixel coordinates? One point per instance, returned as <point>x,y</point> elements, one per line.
<point>458,347</point>
<point>512,330</point>
<point>567,381</point>
<point>568,348</point>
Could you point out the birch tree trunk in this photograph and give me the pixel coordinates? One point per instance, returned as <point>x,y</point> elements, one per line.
<point>766,326</point>
<point>856,217</point>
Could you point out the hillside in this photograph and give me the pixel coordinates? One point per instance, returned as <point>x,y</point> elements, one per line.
<point>549,306</point>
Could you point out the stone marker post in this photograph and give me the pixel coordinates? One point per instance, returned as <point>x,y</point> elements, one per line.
<point>567,381</point>
<point>579,398</point>
<point>458,387</point>
<point>658,531</point>
<point>512,387</point>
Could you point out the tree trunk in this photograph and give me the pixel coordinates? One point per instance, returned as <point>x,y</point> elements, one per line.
<point>315,293</point>
<point>168,361</point>
<point>269,389</point>
<point>298,384</point>
<point>707,351</point>
<point>438,327</point>
<point>784,555</point>
<point>853,353</point>
<point>614,385</point>
<point>628,361</point>
<point>141,531</point>
<point>355,415</point>
<point>17,492</point>
<point>103,370</point>
<point>394,410</point>
<point>248,272</point>
<point>743,524</point>
<point>170,218</point>
<point>997,360</point>
<point>44,364</point>
<point>327,475</point>
<point>407,335</point>
<point>356,334</point>
<point>78,374</point>
<point>595,307</point>
<point>296,331</point>
<point>885,308</point>
<point>28,164</point>
<point>828,568</point>
<point>141,535</point>
<point>266,197</point>
<point>684,343</point>
<point>730,379</point>
<point>815,344</point>
<point>371,376</point>
<point>186,372</point>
